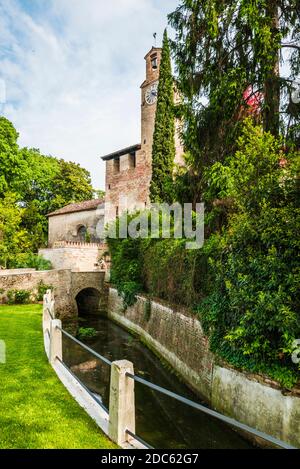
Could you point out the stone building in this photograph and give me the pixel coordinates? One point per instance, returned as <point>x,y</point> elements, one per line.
<point>78,222</point>
<point>75,237</point>
<point>129,170</point>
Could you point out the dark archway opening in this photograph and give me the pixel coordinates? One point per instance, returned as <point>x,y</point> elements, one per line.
<point>82,233</point>
<point>88,301</point>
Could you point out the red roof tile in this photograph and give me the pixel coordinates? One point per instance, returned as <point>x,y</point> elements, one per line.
<point>78,207</point>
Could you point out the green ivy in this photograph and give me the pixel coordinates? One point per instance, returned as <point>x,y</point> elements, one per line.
<point>163,152</point>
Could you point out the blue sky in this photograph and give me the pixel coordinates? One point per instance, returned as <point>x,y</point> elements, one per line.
<point>72,71</point>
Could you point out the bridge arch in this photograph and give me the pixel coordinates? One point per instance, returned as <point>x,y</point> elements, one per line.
<point>88,301</point>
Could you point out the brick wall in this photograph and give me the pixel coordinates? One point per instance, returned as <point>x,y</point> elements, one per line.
<point>171,333</point>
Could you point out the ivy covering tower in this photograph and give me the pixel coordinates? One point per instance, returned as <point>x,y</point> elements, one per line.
<point>163,152</point>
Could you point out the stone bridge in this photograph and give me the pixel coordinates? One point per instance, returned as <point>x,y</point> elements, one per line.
<point>74,292</point>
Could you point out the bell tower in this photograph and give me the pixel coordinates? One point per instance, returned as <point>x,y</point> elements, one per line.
<point>129,170</point>
<point>149,90</point>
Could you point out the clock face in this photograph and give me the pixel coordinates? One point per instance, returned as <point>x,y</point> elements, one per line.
<point>151,94</point>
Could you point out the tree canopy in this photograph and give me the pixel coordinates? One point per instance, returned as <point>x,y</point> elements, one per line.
<point>31,186</point>
<point>224,48</point>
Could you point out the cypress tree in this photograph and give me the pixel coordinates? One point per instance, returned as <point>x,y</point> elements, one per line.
<point>163,151</point>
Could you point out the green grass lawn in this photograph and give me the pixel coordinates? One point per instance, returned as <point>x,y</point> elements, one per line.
<point>36,411</point>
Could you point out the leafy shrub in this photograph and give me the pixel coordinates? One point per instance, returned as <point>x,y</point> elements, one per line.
<point>252,314</point>
<point>86,333</point>
<point>30,261</point>
<point>161,267</point>
<point>18,297</point>
<point>127,259</point>
<point>42,290</point>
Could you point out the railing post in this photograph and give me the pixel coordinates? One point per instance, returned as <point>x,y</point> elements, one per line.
<point>121,402</point>
<point>55,340</point>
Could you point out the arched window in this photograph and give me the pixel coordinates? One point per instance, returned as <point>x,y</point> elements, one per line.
<point>154,62</point>
<point>81,233</point>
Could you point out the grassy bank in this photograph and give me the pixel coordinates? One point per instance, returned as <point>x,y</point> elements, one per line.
<point>36,411</point>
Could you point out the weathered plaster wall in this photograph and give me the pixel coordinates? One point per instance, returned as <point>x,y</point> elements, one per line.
<point>178,338</point>
<point>65,227</point>
<point>256,404</point>
<point>82,259</point>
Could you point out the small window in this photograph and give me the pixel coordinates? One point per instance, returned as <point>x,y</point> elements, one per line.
<point>154,62</point>
<point>108,186</point>
<point>82,233</point>
<point>117,211</point>
<point>117,165</point>
<point>132,161</point>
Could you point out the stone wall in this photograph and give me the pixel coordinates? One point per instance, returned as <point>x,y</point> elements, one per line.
<point>64,227</point>
<point>59,279</point>
<point>178,338</point>
<point>67,285</point>
<point>16,271</point>
<point>81,258</point>
<point>170,334</point>
<point>257,404</point>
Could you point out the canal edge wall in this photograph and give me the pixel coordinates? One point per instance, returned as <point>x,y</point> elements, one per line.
<point>178,338</point>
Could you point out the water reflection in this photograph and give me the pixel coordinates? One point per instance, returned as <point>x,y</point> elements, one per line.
<point>161,421</point>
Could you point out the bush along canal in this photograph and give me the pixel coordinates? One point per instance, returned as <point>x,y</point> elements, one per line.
<point>161,421</point>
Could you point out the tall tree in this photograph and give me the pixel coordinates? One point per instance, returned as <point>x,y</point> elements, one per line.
<point>163,152</point>
<point>71,184</point>
<point>13,168</point>
<point>13,238</point>
<point>40,184</point>
<point>223,48</point>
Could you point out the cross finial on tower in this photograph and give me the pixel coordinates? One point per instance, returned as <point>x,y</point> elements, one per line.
<point>155,36</point>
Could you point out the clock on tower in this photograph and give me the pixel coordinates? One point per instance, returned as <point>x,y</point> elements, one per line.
<point>151,94</point>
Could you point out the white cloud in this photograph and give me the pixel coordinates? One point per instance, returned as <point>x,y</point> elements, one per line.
<point>73,70</point>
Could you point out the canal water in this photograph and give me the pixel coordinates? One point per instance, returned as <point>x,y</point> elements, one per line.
<point>161,421</point>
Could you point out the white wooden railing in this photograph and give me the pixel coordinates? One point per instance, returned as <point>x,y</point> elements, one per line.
<point>119,422</point>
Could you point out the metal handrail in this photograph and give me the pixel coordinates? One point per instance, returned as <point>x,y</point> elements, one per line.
<point>212,413</point>
<point>228,420</point>
<point>139,439</point>
<point>50,314</point>
<point>88,349</point>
